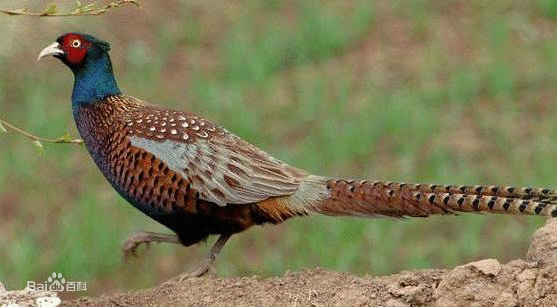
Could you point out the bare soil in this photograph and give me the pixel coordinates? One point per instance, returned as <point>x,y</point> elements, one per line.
<point>528,282</point>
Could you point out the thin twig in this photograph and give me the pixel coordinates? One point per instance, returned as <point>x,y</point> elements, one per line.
<point>61,140</point>
<point>81,10</point>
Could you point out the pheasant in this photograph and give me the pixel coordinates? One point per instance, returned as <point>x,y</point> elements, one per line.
<point>198,179</point>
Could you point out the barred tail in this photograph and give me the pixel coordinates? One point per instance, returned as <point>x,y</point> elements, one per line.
<point>366,198</point>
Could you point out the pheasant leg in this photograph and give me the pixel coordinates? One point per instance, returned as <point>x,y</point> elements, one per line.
<point>130,246</point>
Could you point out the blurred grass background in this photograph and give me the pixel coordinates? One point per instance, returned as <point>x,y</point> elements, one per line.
<point>457,92</point>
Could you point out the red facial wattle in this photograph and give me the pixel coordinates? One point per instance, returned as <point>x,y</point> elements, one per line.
<point>75,48</point>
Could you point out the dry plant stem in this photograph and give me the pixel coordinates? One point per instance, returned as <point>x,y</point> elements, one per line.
<point>41,139</point>
<point>77,12</point>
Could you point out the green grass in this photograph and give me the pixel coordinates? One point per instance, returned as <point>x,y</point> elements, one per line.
<point>437,92</point>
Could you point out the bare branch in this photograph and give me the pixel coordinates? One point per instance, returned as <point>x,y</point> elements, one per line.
<point>66,139</point>
<point>80,10</point>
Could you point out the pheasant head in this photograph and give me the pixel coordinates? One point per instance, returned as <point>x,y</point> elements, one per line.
<point>88,59</point>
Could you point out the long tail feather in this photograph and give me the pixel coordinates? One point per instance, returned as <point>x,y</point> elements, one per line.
<point>371,198</point>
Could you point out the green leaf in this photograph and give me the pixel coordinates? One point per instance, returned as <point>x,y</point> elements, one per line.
<point>52,9</point>
<point>38,147</point>
<point>66,137</point>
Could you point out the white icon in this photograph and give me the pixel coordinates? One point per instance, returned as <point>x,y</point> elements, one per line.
<point>56,282</point>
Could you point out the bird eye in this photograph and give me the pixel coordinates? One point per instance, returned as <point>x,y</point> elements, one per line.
<point>76,43</point>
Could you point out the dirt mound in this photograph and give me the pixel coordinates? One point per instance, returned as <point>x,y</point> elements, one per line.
<point>530,282</point>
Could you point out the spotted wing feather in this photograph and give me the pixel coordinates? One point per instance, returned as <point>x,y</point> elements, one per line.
<point>223,168</point>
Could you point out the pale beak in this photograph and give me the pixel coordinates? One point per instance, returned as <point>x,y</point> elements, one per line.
<point>53,49</point>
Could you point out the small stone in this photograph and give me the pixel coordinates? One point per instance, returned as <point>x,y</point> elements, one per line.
<point>489,267</point>
<point>48,301</point>
<point>543,249</point>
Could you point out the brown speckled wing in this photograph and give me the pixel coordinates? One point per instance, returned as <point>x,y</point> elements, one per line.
<point>223,168</point>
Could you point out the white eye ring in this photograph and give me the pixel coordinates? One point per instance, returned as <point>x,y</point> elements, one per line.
<point>76,43</point>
